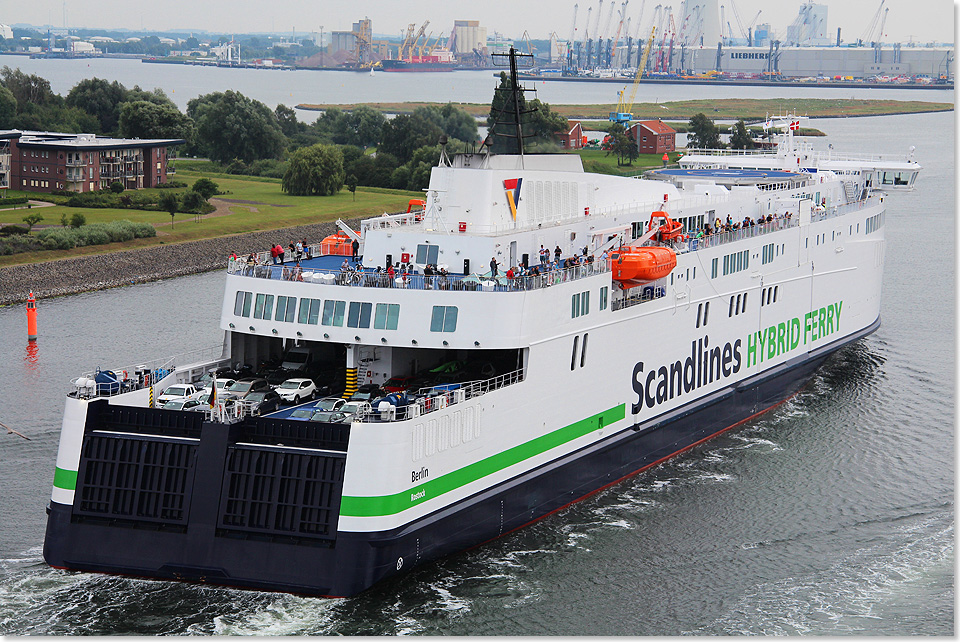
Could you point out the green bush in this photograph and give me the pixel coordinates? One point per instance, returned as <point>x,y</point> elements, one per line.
<point>117,187</point>
<point>78,220</point>
<point>93,234</point>
<point>171,185</point>
<point>8,230</point>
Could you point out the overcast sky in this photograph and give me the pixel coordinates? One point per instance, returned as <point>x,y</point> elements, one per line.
<point>923,20</point>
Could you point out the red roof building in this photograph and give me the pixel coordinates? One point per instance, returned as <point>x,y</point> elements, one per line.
<point>654,137</point>
<point>572,139</point>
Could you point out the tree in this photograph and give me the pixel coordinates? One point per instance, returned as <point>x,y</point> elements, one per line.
<point>352,185</point>
<point>361,127</point>
<point>100,99</point>
<point>157,96</point>
<point>191,43</point>
<point>117,187</point>
<point>453,121</point>
<point>287,119</point>
<point>206,187</point>
<point>144,119</point>
<point>405,133</point>
<point>703,133</point>
<point>31,220</point>
<point>8,108</point>
<point>620,143</point>
<point>169,203</point>
<point>741,139</point>
<point>28,88</point>
<point>314,170</point>
<point>192,201</point>
<point>78,220</point>
<point>230,125</point>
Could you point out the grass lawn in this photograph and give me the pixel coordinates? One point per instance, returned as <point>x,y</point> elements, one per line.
<point>596,160</point>
<point>270,208</point>
<point>748,109</point>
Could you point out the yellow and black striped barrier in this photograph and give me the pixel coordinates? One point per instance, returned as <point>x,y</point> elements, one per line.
<point>151,397</point>
<point>351,383</point>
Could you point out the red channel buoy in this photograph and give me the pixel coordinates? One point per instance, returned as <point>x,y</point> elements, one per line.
<point>31,318</point>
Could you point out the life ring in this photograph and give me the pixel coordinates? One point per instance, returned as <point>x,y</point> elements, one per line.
<point>442,401</point>
<point>125,375</point>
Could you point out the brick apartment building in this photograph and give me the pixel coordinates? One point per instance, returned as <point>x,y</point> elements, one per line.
<point>48,161</point>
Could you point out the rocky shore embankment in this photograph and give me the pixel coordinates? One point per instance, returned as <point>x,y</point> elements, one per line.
<point>125,267</point>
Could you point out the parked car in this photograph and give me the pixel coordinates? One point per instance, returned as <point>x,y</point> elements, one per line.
<point>399,384</point>
<point>296,390</point>
<point>222,384</point>
<point>177,391</point>
<point>204,399</point>
<point>331,403</point>
<point>181,403</point>
<point>303,413</point>
<point>353,408</point>
<point>262,402</point>
<point>330,417</point>
<point>367,391</point>
<point>244,387</point>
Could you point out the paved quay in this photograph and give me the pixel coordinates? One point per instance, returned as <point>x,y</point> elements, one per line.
<point>125,267</point>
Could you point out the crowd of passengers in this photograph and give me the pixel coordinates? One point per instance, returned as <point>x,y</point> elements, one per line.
<point>722,227</point>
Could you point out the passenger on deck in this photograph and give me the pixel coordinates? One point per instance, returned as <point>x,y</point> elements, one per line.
<point>493,267</point>
<point>280,253</point>
<point>306,249</point>
<point>274,255</point>
<point>299,248</point>
<point>557,254</point>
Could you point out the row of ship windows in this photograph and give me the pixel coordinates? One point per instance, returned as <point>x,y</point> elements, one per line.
<point>732,263</point>
<point>385,316</point>
<point>580,302</point>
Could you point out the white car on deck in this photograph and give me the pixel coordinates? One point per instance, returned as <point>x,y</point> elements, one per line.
<point>177,391</point>
<point>296,390</point>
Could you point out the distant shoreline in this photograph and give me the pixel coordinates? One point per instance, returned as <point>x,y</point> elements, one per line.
<point>74,275</point>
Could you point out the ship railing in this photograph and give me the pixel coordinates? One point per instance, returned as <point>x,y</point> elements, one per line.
<point>640,294</point>
<point>437,397</point>
<point>264,259</point>
<point>190,365</point>
<point>477,282</point>
<point>391,221</point>
<point>713,240</point>
<point>813,155</point>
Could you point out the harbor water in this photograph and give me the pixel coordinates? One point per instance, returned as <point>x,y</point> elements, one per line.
<point>831,515</point>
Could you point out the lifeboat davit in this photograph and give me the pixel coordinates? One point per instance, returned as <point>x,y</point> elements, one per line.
<point>633,266</point>
<point>337,244</point>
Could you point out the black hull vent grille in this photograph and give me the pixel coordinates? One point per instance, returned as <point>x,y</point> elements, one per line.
<point>281,492</point>
<point>130,478</point>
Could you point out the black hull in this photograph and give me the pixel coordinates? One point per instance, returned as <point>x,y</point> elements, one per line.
<point>351,562</point>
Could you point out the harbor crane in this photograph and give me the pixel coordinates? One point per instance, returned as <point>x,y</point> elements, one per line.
<point>604,35</point>
<point>867,35</point>
<point>624,113</point>
<point>571,40</point>
<point>616,39</point>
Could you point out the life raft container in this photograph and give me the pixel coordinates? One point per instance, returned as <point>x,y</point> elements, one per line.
<point>633,266</point>
<point>337,244</point>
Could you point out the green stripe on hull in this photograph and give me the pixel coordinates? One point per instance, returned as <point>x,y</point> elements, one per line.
<point>65,479</point>
<point>393,504</point>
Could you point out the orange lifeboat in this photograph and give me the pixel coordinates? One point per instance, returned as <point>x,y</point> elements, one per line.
<point>337,244</point>
<point>633,266</point>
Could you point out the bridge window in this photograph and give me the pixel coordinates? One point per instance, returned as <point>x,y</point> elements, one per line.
<point>286,305</point>
<point>241,307</point>
<point>387,316</point>
<point>359,315</point>
<point>428,253</point>
<point>444,318</point>
<point>263,308</point>
<point>309,311</point>
<point>333,312</point>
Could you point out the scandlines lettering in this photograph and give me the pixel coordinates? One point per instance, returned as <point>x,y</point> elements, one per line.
<point>704,366</point>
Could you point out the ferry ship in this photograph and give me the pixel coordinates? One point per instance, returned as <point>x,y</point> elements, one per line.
<point>547,386</point>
